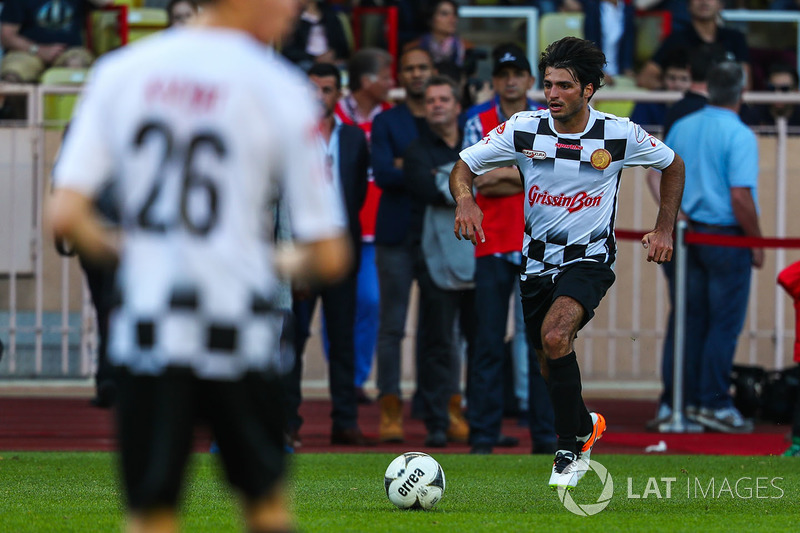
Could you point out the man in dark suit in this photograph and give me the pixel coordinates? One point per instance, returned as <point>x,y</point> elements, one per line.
<point>348,160</point>
<point>392,132</point>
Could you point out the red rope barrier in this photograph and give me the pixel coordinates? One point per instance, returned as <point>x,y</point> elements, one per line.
<point>719,240</point>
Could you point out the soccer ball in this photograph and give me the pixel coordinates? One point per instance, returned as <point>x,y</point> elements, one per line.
<point>414,480</point>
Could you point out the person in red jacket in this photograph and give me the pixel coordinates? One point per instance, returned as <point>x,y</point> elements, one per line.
<point>789,279</point>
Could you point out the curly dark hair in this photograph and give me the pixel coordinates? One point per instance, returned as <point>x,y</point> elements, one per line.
<point>582,58</point>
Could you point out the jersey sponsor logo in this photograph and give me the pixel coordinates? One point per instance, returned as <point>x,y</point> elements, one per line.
<point>571,203</point>
<point>569,146</point>
<point>501,128</point>
<point>534,154</point>
<point>600,159</point>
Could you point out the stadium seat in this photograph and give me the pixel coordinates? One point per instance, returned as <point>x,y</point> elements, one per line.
<point>555,26</point>
<point>348,30</point>
<point>652,27</point>
<point>620,108</point>
<point>58,107</point>
<point>145,21</point>
<point>103,33</point>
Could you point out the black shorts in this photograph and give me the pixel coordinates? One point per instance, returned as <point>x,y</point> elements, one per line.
<point>586,282</point>
<point>156,417</point>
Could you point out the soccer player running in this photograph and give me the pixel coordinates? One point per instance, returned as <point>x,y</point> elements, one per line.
<point>200,130</point>
<point>571,158</point>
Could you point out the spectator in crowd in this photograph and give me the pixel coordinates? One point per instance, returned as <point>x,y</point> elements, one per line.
<point>676,78</point>
<point>100,278</point>
<point>444,272</point>
<point>491,102</point>
<point>442,40</point>
<point>497,264</point>
<point>721,197</point>
<point>395,253</point>
<point>782,78</point>
<point>701,60</point>
<point>610,25</point>
<point>370,75</point>
<point>318,37</point>
<point>181,12</point>
<point>38,34</point>
<point>704,28</point>
<point>348,161</point>
<point>195,336</point>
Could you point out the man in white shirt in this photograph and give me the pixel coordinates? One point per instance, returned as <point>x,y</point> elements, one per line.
<point>571,158</point>
<point>211,130</point>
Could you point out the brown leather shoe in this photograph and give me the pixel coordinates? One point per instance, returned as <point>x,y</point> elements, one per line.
<point>458,431</point>
<point>390,428</point>
<point>351,437</point>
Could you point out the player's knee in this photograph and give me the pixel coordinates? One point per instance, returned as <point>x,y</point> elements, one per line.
<point>555,343</point>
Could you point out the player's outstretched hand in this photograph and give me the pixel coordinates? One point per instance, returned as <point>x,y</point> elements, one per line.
<point>468,221</point>
<point>658,245</point>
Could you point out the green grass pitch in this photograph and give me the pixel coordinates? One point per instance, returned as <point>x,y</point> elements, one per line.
<point>48,491</point>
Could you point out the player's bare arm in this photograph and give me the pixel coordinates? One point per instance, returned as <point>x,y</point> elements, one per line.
<point>744,209</point>
<point>71,216</point>
<point>468,215</point>
<point>499,182</point>
<point>658,242</point>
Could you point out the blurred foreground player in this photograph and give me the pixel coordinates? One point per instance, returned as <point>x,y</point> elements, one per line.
<point>215,127</point>
<point>571,158</point>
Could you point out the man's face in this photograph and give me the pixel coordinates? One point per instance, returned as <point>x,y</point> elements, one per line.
<point>445,19</point>
<point>677,79</point>
<point>782,82</point>
<point>705,10</point>
<point>182,13</point>
<point>378,85</point>
<point>327,93</point>
<point>564,95</point>
<point>415,69</point>
<point>441,106</point>
<point>512,83</point>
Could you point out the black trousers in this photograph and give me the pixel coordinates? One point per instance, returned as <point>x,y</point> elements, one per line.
<point>438,311</point>
<point>100,278</point>
<point>338,304</point>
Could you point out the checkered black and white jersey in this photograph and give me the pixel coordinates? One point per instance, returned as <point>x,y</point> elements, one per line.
<point>571,182</point>
<point>201,130</point>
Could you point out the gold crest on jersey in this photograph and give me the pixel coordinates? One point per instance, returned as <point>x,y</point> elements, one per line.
<point>601,158</point>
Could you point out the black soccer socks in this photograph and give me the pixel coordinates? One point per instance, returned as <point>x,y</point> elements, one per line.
<point>571,416</point>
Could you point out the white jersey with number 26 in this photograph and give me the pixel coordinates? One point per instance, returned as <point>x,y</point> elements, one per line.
<point>200,130</point>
